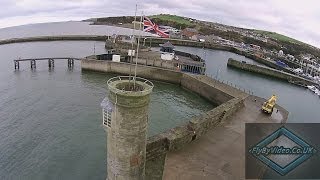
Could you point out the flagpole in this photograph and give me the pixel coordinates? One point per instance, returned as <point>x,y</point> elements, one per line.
<point>135,70</point>
<point>132,40</point>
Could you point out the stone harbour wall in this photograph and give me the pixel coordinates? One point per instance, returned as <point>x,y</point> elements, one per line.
<point>149,72</point>
<point>212,90</point>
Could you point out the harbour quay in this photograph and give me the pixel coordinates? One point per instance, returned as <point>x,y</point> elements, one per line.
<point>291,78</point>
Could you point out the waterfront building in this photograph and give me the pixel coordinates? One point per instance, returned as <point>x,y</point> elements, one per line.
<point>189,32</point>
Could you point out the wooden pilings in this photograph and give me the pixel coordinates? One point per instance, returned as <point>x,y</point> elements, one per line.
<point>33,64</point>
<point>51,62</point>
<point>70,63</point>
<point>16,64</point>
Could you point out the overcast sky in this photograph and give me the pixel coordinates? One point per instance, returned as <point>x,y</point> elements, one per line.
<point>298,19</point>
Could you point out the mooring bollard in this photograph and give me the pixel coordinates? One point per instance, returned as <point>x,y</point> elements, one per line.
<point>70,63</point>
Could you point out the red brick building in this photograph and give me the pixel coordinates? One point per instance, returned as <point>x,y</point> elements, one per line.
<point>189,32</point>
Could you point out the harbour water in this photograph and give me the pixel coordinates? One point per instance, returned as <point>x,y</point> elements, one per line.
<point>50,121</point>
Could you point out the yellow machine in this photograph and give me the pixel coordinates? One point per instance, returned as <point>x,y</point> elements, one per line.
<point>269,104</point>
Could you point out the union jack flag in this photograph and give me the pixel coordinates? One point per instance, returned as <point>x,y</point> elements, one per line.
<point>152,27</point>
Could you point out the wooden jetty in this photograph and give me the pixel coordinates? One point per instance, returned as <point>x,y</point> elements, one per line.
<point>50,60</point>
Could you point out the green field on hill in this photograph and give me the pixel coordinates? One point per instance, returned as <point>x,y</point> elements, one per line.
<point>279,37</point>
<point>173,18</point>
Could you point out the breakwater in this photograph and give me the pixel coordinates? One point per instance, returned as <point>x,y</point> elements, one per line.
<point>149,72</point>
<point>270,72</point>
<point>55,38</point>
<point>260,60</point>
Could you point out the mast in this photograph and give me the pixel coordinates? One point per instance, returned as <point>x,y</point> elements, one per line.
<point>135,69</point>
<point>132,40</point>
<point>94,48</point>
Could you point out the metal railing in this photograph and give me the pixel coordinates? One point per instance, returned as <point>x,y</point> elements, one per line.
<point>147,89</point>
<point>234,85</point>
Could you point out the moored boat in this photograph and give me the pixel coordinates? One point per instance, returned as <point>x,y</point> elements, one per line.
<point>312,88</point>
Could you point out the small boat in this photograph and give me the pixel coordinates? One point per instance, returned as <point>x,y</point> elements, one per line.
<point>167,51</point>
<point>312,88</point>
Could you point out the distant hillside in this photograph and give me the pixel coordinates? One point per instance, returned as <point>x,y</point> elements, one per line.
<point>276,41</point>
<point>112,20</point>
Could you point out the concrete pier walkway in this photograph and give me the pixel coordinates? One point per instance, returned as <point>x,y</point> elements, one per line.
<point>220,154</point>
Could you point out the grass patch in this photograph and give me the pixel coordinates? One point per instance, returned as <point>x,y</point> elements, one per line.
<point>279,37</point>
<point>173,18</point>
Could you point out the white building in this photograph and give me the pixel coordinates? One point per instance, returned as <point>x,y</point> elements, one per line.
<point>280,53</point>
<point>169,28</point>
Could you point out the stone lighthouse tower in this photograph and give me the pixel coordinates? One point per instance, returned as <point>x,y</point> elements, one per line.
<point>125,119</point>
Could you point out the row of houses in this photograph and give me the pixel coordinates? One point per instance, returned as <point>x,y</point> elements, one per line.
<point>241,31</point>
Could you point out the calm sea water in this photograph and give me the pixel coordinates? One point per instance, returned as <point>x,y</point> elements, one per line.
<point>63,28</point>
<point>50,121</point>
